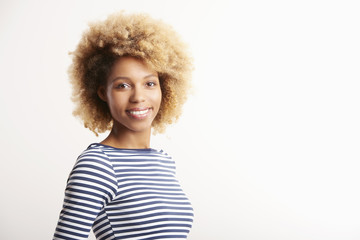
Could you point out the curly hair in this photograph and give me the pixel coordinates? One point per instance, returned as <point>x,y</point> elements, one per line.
<point>139,36</point>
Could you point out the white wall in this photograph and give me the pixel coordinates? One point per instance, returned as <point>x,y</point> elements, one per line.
<point>267,148</point>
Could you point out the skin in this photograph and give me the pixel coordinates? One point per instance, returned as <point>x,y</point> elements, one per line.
<point>133,94</point>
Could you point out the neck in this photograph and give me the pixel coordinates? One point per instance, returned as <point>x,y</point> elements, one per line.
<point>124,138</point>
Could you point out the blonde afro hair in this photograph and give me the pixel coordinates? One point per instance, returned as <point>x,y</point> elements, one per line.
<point>139,36</point>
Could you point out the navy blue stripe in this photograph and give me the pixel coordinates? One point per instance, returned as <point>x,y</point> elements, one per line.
<point>71,196</point>
<point>144,170</point>
<point>89,173</point>
<point>105,191</point>
<point>146,179</point>
<point>150,188</point>
<point>156,232</point>
<point>144,210</point>
<point>149,184</point>
<point>146,204</point>
<point>105,184</point>
<point>80,204</point>
<point>81,210</point>
<point>152,193</point>
<point>145,165</point>
<point>88,193</point>
<point>58,236</point>
<point>65,219</point>
<point>165,236</point>
<point>71,233</point>
<point>86,163</point>
<point>151,215</point>
<point>93,158</point>
<point>128,159</point>
<point>93,153</point>
<point>73,227</point>
<point>154,227</point>
<point>104,176</point>
<point>77,215</point>
<point>148,198</point>
<point>144,175</point>
<point>158,220</point>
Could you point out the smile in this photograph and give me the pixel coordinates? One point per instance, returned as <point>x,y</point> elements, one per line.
<point>139,113</point>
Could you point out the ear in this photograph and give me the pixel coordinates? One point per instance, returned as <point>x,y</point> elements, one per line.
<point>101,93</point>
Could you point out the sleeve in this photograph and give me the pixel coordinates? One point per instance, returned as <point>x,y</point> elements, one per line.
<point>90,187</point>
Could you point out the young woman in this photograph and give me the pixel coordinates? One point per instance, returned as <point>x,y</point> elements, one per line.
<point>130,73</point>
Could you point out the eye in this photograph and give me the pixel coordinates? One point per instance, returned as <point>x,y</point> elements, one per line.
<point>122,86</point>
<point>151,84</point>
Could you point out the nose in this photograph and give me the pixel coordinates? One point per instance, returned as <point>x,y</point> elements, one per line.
<point>137,95</point>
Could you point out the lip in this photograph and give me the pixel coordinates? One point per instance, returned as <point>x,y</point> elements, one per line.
<point>139,113</point>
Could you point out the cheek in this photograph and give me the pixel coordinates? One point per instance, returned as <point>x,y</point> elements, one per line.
<point>116,102</point>
<point>158,98</point>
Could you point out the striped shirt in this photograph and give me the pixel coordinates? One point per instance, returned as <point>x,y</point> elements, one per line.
<point>124,194</point>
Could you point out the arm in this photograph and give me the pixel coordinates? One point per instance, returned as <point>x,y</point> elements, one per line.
<point>91,186</point>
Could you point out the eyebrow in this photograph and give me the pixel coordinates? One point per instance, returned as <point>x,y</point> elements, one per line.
<point>127,78</point>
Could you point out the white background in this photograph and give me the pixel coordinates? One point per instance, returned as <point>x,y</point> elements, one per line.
<point>267,147</point>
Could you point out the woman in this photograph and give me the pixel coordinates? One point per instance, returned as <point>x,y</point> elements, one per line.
<point>130,73</point>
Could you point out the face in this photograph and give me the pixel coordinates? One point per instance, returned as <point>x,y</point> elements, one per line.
<point>133,94</point>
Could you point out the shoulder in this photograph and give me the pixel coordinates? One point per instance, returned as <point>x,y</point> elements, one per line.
<point>94,157</point>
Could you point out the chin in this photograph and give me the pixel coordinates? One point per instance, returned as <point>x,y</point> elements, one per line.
<point>138,128</point>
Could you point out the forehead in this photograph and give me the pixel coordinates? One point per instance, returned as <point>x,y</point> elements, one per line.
<point>131,66</point>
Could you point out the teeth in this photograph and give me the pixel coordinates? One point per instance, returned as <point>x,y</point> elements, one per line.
<point>139,112</point>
